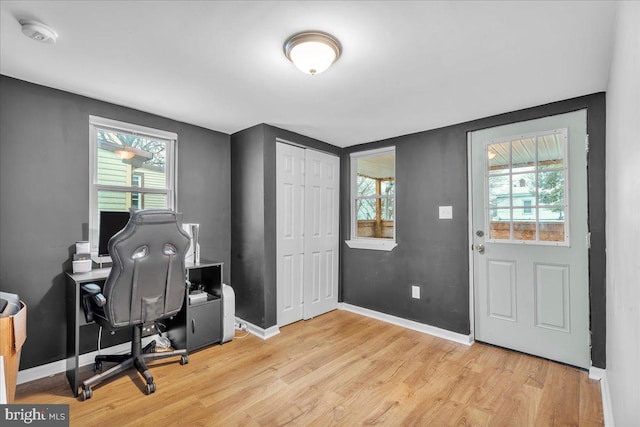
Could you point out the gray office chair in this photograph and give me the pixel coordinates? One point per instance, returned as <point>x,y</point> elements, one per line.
<point>147,283</point>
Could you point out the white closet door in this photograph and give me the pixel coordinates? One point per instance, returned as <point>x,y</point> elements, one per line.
<point>322,180</point>
<point>290,232</point>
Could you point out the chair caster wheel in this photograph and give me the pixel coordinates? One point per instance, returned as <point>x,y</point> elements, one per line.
<point>86,394</point>
<point>184,359</point>
<point>97,367</point>
<point>150,388</point>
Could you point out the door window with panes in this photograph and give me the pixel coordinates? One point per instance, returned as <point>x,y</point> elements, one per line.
<point>527,193</point>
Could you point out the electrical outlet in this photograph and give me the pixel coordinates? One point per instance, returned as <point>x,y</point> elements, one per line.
<point>415,292</point>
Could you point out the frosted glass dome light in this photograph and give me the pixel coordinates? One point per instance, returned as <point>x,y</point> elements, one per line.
<point>312,51</point>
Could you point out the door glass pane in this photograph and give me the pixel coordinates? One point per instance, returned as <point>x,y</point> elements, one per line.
<point>122,155</point>
<point>551,188</point>
<point>552,224</point>
<point>523,188</point>
<point>498,158</point>
<point>524,224</point>
<point>500,224</point>
<point>523,153</point>
<point>551,151</point>
<point>499,191</point>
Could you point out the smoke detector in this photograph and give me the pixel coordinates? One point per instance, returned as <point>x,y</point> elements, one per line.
<point>38,32</point>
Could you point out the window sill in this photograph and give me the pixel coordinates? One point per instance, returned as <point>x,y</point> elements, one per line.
<point>372,244</point>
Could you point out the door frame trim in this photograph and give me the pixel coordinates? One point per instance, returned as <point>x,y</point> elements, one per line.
<point>472,314</point>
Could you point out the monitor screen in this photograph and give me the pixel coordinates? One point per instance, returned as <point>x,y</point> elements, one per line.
<point>110,223</point>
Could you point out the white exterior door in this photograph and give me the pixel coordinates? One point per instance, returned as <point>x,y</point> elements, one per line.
<point>307,196</point>
<point>530,258</point>
<point>290,231</point>
<point>321,233</point>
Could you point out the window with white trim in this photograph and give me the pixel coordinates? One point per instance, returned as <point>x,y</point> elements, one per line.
<point>373,204</point>
<point>131,166</point>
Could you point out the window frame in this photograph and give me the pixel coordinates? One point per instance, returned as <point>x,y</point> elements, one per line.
<point>170,189</point>
<point>373,243</point>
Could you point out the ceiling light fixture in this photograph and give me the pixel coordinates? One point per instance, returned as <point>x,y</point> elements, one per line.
<point>38,32</point>
<point>312,51</point>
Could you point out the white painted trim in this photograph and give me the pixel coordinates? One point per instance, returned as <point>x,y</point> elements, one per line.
<point>372,244</point>
<point>131,128</point>
<point>409,324</point>
<point>472,303</point>
<point>607,410</point>
<point>265,334</point>
<point>53,368</point>
<point>373,152</point>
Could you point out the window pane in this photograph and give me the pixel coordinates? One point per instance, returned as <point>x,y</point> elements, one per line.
<point>499,224</point>
<point>524,225</point>
<point>552,225</point>
<point>551,151</point>
<point>122,156</point>
<point>523,188</point>
<point>123,200</point>
<point>499,193</point>
<point>523,154</point>
<point>369,223</point>
<point>387,211</point>
<point>366,186</point>
<point>498,157</point>
<point>551,188</point>
<point>388,187</point>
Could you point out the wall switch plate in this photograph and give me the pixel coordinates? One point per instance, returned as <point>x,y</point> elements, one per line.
<point>415,292</point>
<point>446,212</point>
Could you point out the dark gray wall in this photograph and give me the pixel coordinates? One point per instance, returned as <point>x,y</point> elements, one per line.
<point>253,203</point>
<point>44,197</point>
<point>247,224</point>
<point>431,170</point>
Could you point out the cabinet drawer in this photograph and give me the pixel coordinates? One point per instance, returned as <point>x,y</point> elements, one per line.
<point>203,324</point>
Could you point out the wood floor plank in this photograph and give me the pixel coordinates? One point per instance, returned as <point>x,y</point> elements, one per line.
<point>339,369</point>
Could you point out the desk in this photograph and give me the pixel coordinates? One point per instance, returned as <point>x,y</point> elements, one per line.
<point>181,329</point>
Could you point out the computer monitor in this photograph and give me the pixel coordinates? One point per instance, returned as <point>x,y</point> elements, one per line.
<point>110,223</point>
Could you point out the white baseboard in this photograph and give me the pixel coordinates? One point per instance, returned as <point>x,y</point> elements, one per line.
<point>265,334</point>
<point>607,410</point>
<point>409,324</point>
<point>53,368</point>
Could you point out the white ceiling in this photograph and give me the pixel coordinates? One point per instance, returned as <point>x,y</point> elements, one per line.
<point>405,67</point>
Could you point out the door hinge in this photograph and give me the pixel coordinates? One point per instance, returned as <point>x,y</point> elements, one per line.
<point>589,240</point>
<point>586,144</point>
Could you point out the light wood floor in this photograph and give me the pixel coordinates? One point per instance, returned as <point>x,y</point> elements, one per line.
<point>340,369</point>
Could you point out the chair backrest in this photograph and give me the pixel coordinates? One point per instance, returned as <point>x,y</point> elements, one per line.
<point>148,274</point>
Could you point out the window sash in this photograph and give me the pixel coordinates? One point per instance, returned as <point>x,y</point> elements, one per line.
<point>355,197</point>
<point>170,138</point>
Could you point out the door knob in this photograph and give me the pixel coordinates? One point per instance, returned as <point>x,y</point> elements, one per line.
<point>480,248</point>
